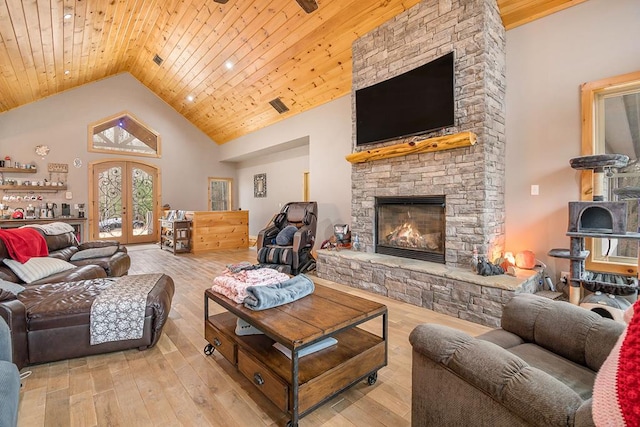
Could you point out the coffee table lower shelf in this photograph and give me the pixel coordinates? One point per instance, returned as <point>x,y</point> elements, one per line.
<point>320,375</point>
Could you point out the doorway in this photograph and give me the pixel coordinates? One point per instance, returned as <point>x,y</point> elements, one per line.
<point>125,201</point>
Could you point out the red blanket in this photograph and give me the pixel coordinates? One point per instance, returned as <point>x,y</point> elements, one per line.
<point>24,243</point>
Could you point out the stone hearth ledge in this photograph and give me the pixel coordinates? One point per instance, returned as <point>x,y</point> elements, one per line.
<point>453,291</point>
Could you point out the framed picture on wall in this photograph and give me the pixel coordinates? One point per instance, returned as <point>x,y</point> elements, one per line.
<point>260,185</point>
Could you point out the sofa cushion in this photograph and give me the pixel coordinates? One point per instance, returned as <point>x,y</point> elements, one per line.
<point>60,241</point>
<point>106,251</point>
<point>64,254</point>
<point>285,236</point>
<point>84,272</point>
<point>9,290</point>
<point>577,377</point>
<point>37,268</point>
<point>101,244</point>
<point>580,335</point>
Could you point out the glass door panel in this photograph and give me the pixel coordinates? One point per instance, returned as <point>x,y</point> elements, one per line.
<point>143,216</point>
<point>109,201</point>
<point>126,202</point>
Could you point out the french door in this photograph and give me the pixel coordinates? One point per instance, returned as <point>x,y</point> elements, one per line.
<point>124,201</point>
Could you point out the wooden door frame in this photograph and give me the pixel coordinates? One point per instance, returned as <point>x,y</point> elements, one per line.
<point>92,196</point>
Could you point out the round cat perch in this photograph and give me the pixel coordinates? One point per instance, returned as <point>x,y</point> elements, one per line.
<point>598,210</point>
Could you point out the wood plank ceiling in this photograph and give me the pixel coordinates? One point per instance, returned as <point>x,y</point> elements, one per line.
<point>222,63</point>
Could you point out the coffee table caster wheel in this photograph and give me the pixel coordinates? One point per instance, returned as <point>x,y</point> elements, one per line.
<point>208,349</point>
<point>371,379</point>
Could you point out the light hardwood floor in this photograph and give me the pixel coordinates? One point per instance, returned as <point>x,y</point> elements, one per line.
<point>175,384</point>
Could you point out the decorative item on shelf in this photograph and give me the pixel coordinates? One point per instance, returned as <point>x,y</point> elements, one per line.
<point>18,213</point>
<point>526,259</point>
<point>260,185</point>
<point>486,268</point>
<point>474,260</point>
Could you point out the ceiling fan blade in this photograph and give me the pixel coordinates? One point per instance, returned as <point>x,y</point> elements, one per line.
<point>308,5</point>
<point>221,1</point>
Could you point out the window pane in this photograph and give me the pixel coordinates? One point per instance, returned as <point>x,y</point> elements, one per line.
<point>220,194</point>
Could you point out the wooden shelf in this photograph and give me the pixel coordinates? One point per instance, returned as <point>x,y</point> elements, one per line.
<point>447,142</point>
<point>173,233</point>
<point>18,170</point>
<point>628,235</point>
<point>33,188</point>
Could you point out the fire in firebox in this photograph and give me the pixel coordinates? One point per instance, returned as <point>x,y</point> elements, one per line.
<point>407,235</point>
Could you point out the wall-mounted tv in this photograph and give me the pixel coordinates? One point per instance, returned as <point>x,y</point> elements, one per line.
<point>415,102</point>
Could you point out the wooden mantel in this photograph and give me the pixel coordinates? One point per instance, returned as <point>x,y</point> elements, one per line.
<point>447,142</point>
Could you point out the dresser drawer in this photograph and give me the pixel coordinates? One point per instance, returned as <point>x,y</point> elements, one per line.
<point>220,342</point>
<point>269,384</point>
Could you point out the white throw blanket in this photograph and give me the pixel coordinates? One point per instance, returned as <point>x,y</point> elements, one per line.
<point>118,312</point>
<point>53,229</point>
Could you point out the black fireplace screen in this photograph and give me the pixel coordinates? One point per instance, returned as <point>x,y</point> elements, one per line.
<point>411,227</point>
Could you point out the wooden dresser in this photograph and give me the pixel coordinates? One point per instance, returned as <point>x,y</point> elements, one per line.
<point>216,230</point>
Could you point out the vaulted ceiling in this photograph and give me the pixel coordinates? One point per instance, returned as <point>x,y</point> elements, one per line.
<point>221,63</point>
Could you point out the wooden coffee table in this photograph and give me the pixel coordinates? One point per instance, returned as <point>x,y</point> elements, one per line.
<point>298,385</point>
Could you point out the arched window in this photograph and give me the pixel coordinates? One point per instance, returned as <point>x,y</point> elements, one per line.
<point>125,134</point>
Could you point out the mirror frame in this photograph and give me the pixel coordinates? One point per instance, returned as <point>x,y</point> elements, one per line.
<point>589,92</point>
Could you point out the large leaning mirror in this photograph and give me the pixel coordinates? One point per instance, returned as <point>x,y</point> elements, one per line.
<point>611,125</point>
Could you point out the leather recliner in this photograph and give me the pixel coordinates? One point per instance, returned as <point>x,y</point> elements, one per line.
<point>294,257</point>
<point>51,321</point>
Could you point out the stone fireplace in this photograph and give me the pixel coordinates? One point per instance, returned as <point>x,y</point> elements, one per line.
<point>470,179</point>
<point>411,227</point>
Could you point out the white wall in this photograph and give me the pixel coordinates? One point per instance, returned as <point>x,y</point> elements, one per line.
<point>284,172</point>
<point>328,129</point>
<point>60,121</point>
<point>547,61</point>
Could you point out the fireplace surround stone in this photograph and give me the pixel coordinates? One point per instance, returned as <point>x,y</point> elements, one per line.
<point>454,291</point>
<point>471,178</point>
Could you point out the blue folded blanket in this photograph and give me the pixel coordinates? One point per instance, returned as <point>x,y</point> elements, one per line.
<point>269,296</point>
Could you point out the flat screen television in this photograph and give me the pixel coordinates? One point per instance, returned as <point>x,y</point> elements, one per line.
<point>415,102</point>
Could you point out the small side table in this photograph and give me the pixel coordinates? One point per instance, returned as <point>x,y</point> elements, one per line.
<point>175,235</point>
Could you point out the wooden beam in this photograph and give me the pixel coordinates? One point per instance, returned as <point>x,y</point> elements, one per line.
<point>447,142</point>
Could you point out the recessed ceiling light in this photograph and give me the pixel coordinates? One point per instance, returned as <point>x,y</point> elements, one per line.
<point>68,16</point>
<point>190,98</point>
<point>67,71</point>
<point>229,65</point>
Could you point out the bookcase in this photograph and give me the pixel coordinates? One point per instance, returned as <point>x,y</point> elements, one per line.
<point>175,235</point>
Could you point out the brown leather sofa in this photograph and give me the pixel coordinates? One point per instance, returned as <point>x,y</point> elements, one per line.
<point>64,247</point>
<point>51,321</point>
